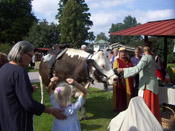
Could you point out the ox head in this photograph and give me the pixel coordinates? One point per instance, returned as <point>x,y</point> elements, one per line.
<point>103,71</point>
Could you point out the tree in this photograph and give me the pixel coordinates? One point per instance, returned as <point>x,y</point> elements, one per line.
<point>91,36</point>
<point>158,45</point>
<point>85,17</point>
<point>127,23</point>
<point>42,34</point>
<point>5,48</point>
<point>114,28</point>
<point>101,36</point>
<point>16,18</point>
<point>72,25</point>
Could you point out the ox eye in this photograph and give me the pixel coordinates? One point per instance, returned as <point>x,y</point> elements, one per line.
<point>102,66</point>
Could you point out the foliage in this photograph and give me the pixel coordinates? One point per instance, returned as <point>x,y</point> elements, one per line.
<point>99,111</point>
<point>136,43</point>
<point>171,65</point>
<point>5,47</point>
<point>101,36</point>
<point>16,18</point>
<point>72,24</point>
<point>128,22</point>
<point>158,44</point>
<point>43,34</point>
<point>85,18</point>
<point>91,36</point>
<point>171,54</point>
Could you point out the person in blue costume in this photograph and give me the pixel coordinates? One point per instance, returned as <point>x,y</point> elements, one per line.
<point>17,105</point>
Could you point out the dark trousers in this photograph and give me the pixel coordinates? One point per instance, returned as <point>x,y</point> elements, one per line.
<point>136,84</point>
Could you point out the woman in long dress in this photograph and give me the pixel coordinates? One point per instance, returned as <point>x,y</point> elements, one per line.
<point>148,84</point>
<point>123,89</point>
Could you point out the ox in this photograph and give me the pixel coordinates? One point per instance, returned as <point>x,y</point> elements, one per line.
<point>3,59</point>
<point>79,65</point>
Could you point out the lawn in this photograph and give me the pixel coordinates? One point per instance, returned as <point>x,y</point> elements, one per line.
<point>99,111</point>
<point>30,69</point>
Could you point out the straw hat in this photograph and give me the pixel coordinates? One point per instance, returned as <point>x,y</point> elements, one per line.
<point>122,49</point>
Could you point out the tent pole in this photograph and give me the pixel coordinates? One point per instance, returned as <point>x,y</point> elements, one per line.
<point>145,38</point>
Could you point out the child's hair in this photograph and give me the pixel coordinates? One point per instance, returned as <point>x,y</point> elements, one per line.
<point>62,94</point>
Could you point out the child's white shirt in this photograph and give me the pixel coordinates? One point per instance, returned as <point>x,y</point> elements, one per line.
<point>71,123</point>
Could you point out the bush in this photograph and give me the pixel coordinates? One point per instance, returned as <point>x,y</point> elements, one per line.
<point>5,47</point>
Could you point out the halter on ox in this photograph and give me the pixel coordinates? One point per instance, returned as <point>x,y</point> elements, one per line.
<point>93,64</point>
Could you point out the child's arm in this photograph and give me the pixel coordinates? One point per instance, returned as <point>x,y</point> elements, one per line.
<point>52,82</point>
<point>83,90</point>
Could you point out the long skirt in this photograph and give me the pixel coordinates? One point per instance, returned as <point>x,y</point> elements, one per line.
<point>119,98</point>
<point>122,93</point>
<point>152,101</point>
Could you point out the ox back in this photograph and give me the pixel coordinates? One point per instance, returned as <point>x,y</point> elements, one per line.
<point>65,67</point>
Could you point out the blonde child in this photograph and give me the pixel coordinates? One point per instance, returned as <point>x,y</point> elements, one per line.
<point>61,99</point>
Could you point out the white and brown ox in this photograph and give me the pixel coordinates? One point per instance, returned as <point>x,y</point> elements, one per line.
<point>81,66</point>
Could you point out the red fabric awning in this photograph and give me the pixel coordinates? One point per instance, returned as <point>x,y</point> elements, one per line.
<point>155,28</point>
<point>43,49</point>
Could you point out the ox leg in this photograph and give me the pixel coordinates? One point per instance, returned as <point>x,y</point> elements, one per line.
<point>83,108</point>
<point>42,90</point>
<point>83,113</point>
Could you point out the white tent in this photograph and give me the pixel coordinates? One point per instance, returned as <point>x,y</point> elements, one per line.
<point>137,117</point>
<point>118,45</point>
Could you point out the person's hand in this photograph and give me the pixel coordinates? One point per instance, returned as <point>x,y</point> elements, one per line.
<point>53,79</point>
<point>35,87</point>
<point>58,114</point>
<point>119,70</point>
<point>70,81</point>
<point>52,82</point>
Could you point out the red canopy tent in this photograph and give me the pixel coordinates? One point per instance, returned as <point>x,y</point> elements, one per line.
<point>39,52</point>
<point>163,28</point>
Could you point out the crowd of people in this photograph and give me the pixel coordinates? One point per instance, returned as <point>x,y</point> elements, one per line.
<point>137,76</point>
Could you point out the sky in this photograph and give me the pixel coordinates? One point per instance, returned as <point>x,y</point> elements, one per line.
<point>104,13</point>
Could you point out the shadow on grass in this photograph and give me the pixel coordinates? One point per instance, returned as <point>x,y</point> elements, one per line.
<point>90,127</point>
<point>99,104</point>
<point>100,107</point>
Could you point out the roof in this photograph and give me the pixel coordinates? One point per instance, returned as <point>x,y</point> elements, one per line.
<point>101,42</point>
<point>154,28</point>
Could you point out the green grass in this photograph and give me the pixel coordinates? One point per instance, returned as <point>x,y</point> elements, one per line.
<point>171,65</point>
<point>99,111</point>
<point>30,69</point>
